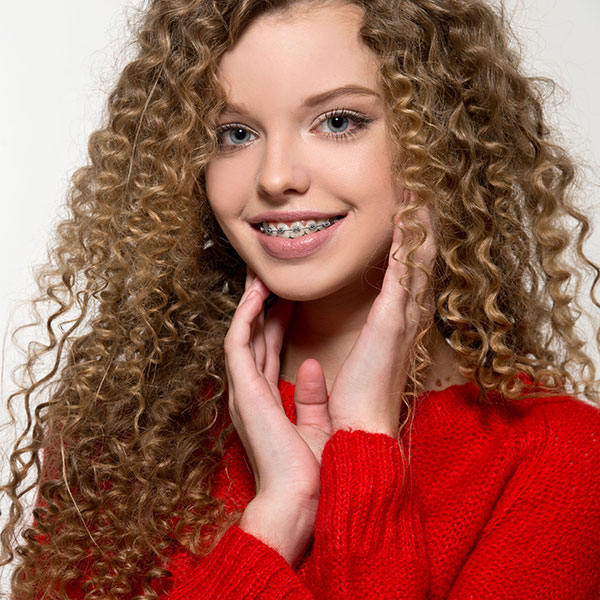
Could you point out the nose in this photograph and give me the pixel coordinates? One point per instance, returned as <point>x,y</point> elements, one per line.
<point>284,168</point>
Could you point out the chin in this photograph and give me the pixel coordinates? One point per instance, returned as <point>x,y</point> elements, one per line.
<point>299,292</point>
<point>296,294</point>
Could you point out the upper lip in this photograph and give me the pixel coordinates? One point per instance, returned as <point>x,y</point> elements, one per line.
<point>300,215</point>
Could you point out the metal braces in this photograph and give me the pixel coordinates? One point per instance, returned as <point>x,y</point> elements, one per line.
<point>297,229</point>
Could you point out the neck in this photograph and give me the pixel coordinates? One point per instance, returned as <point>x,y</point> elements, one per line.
<point>326,329</point>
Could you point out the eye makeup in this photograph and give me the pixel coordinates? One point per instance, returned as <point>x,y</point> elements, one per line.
<point>227,131</point>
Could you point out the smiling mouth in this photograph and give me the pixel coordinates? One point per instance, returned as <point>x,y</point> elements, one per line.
<point>297,228</point>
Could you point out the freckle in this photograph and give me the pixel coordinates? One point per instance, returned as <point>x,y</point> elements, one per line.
<point>438,383</point>
<point>447,378</point>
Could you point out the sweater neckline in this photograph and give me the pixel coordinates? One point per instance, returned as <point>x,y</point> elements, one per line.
<point>468,387</point>
<point>462,392</point>
<point>468,391</point>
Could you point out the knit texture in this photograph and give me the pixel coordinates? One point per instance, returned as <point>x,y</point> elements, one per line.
<point>499,501</point>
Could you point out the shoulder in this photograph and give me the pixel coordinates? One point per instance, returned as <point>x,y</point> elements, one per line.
<point>561,413</point>
<point>558,427</point>
<point>554,480</point>
<point>564,429</point>
<point>529,451</point>
<point>541,412</point>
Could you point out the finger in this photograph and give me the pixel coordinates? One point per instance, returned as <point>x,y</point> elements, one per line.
<point>394,288</point>
<point>427,249</point>
<point>394,312</point>
<point>238,350</point>
<point>275,325</point>
<point>250,277</point>
<point>398,250</point>
<point>424,258</point>
<point>310,396</point>
<point>258,339</point>
<point>411,264</point>
<point>257,345</point>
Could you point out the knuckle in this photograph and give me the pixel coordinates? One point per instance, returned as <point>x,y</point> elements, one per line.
<point>229,343</point>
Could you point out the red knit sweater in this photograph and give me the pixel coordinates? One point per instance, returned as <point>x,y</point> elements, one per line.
<point>500,502</point>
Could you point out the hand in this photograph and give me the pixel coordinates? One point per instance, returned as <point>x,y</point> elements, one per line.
<point>366,394</point>
<point>367,391</point>
<point>285,458</point>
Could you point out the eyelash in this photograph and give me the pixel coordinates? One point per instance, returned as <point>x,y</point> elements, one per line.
<point>361,121</point>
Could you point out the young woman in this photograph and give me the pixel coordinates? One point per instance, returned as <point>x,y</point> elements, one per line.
<point>324,342</point>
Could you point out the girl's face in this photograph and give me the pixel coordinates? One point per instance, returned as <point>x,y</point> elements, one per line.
<point>304,132</point>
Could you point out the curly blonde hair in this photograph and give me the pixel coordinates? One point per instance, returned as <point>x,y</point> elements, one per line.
<point>132,426</point>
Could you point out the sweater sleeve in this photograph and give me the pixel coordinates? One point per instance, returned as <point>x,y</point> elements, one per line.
<point>368,539</point>
<point>541,540</point>
<point>240,567</point>
<point>543,537</point>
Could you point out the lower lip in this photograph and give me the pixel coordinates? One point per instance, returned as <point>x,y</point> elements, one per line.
<point>297,247</point>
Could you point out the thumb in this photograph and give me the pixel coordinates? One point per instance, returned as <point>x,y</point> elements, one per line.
<point>310,396</point>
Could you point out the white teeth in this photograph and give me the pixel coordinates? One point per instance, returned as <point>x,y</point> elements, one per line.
<point>296,229</point>
<point>289,231</point>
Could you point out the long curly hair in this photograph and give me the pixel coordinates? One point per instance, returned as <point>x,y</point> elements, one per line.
<point>126,427</point>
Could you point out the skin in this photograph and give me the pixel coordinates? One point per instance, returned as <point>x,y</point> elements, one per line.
<point>343,325</point>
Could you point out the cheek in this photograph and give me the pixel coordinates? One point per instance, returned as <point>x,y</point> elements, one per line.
<point>213,183</point>
<point>227,184</point>
<point>362,166</point>
<point>360,178</point>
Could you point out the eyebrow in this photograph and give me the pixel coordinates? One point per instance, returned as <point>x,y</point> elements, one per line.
<point>317,99</point>
<point>345,90</point>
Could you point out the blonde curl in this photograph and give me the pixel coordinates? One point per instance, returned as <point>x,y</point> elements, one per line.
<point>133,423</point>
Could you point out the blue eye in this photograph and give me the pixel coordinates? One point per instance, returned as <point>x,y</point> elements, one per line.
<point>342,123</point>
<point>238,135</point>
<point>234,134</point>
<point>338,124</point>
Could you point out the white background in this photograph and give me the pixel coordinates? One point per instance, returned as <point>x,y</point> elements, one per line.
<point>58,61</point>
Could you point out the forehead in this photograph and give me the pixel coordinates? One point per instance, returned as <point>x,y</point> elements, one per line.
<point>306,50</point>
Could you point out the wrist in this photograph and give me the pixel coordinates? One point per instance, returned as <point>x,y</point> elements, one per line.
<point>382,428</point>
<point>287,527</point>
